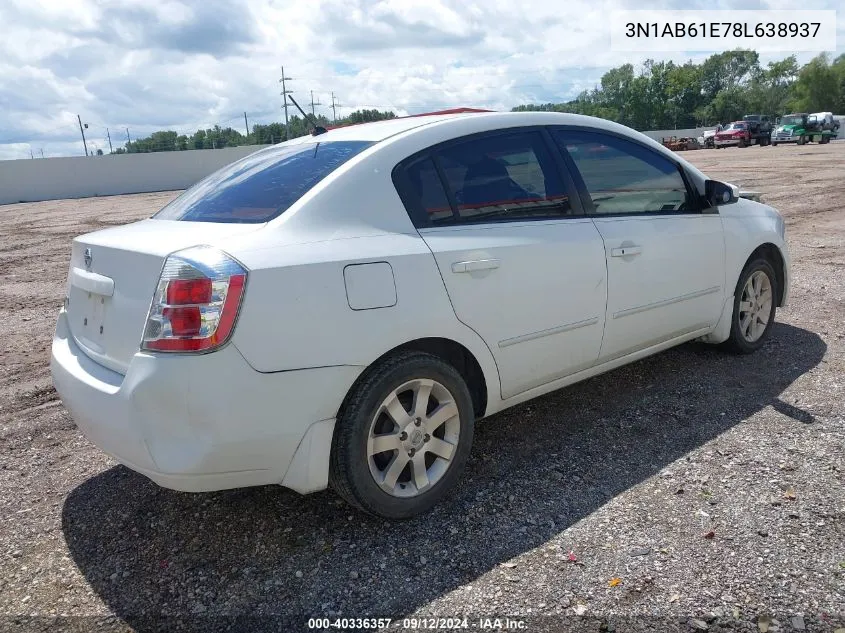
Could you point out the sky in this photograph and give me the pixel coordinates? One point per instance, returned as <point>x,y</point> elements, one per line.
<point>181,65</point>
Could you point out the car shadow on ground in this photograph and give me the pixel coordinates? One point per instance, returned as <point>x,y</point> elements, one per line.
<point>159,558</point>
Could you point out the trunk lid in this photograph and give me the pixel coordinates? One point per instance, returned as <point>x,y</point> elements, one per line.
<point>113,274</point>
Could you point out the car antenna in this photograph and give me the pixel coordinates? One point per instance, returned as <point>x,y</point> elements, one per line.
<point>318,129</point>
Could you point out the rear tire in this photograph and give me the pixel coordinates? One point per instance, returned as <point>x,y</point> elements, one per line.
<point>754,307</point>
<point>426,441</point>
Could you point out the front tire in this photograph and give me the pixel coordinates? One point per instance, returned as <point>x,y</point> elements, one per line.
<point>403,437</point>
<point>754,307</point>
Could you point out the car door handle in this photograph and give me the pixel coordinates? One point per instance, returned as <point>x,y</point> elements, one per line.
<point>624,251</point>
<point>475,264</point>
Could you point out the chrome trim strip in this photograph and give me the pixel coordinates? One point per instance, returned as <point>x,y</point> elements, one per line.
<point>666,302</point>
<point>542,333</point>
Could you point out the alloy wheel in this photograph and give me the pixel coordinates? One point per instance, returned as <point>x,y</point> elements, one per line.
<point>755,306</point>
<point>413,437</point>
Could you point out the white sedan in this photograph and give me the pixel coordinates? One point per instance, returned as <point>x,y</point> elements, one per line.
<point>338,310</point>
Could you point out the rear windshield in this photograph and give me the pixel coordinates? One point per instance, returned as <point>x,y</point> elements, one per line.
<point>261,186</point>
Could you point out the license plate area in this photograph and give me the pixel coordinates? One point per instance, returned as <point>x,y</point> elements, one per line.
<point>90,316</point>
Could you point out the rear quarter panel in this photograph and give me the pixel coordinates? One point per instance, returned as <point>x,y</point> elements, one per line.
<point>296,311</point>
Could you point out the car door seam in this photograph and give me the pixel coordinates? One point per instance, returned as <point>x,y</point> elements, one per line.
<point>455,312</point>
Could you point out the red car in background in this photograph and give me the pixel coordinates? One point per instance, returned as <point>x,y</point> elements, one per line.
<point>737,133</point>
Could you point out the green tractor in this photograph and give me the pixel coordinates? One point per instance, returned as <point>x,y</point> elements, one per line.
<point>802,128</point>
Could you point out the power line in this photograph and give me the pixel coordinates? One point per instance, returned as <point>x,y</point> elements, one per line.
<point>313,103</point>
<point>335,105</point>
<point>285,93</point>
<point>78,118</point>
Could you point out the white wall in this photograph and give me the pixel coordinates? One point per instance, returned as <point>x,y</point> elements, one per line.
<point>658,135</point>
<point>80,177</point>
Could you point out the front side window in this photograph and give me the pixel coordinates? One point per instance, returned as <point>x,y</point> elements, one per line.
<point>261,186</point>
<point>511,176</point>
<point>622,176</point>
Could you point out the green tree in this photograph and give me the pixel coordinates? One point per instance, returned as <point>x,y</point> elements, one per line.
<point>818,87</point>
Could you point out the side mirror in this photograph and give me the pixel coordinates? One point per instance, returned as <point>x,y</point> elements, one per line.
<point>720,193</point>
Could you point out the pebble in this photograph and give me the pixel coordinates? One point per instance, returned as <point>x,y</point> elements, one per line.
<point>699,625</point>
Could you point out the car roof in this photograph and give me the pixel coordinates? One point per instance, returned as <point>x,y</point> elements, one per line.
<point>378,130</point>
<point>457,124</point>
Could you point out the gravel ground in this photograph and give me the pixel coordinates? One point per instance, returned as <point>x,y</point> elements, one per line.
<point>689,491</point>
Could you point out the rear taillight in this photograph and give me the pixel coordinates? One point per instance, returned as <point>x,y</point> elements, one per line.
<point>196,302</point>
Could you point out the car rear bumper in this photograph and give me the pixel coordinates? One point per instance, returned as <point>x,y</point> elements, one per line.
<point>202,422</point>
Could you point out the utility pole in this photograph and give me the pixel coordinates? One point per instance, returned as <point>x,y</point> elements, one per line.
<point>31,155</point>
<point>335,105</point>
<point>285,93</point>
<point>313,103</point>
<point>111,149</point>
<point>78,118</point>
<point>42,152</point>
<point>128,141</point>
<point>246,123</point>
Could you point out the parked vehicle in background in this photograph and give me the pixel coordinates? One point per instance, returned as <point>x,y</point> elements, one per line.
<point>804,128</point>
<point>708,137</point>
<point>760,127</point>
<point>679,144</point>
<point>737,134</point>
<point>339,309</point>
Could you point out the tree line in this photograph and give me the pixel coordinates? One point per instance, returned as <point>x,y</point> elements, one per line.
<point>723,88</point>
<point>659,95</point>
<point>260,134</point>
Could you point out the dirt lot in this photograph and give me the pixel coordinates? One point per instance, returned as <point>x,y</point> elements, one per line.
<point>628,472</point>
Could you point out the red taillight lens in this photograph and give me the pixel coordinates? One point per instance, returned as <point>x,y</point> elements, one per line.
<point>188,291</point>
<point>184,321</point>
<point>196,303</point>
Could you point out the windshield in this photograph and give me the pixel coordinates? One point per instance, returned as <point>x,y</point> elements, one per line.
<point>792,120</point>
<point>261,186</point>
<point>737,126</point>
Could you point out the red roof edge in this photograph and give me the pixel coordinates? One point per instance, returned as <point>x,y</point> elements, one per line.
<point>410,116</point>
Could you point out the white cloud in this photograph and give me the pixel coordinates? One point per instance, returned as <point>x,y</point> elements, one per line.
<point>184,64</point>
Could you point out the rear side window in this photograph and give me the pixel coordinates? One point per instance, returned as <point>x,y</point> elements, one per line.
<point>624,177</point>
<point>261,186</point>
<point>427,190</point>
<point>510,176</point>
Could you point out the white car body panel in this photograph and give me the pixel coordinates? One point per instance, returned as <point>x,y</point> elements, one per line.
<point>343,277</point>
<point>542,318</point>
<point>196,423</point>
<point>666,278</point>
